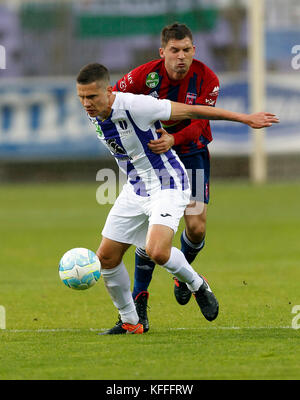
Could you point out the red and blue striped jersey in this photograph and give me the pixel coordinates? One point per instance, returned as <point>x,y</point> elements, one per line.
<point>200,86</point>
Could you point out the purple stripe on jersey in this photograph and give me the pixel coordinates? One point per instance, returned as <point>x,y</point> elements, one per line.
<point>181,173</point>
<point>112,138</point>
<point>113,141</point>
<point>134,179</point>
<point>166,179</point>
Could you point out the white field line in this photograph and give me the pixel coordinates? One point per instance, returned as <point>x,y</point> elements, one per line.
<point>170,329</point>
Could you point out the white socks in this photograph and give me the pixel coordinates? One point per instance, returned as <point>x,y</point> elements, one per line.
<point>179,267</point>
<point>117,282</point>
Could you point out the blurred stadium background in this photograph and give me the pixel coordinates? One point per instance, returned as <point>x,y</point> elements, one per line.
<point>44,134</point>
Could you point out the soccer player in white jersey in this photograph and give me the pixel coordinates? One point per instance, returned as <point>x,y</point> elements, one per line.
<point>151,203</point>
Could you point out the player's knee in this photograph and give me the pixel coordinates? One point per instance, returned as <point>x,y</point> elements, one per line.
<point>196,232</point>
<point>158,254</point>
<point>108,260</point>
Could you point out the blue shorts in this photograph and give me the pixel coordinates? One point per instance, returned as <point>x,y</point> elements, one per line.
<point>198,168</point>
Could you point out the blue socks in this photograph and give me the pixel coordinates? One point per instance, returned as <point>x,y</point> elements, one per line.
<point>144,268</point>
<point>189,249</point>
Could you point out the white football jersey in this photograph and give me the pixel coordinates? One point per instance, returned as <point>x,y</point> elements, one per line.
<point>127,131</point>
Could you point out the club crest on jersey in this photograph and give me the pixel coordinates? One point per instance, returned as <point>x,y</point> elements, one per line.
<point>190,98</point>
<point>123,124</point>
<point>124,129</point>
<point>152,80</point>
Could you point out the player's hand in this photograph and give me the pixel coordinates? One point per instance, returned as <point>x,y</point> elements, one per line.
<point>163,144</point>
<point>262,120</point>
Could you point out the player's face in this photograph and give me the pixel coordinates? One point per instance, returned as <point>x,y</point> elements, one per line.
<point>178,56</point>
<point>95,98</point>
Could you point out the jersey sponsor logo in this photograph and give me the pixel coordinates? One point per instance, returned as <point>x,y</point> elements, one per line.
<point>165,215</point>
<point>152,80</point>
<point>129,77</point>
<point>190,98</point>
<point>122,84</point>
<point>116,149</point>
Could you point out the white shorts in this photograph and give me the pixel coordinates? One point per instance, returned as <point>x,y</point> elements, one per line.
<point>131,215</point>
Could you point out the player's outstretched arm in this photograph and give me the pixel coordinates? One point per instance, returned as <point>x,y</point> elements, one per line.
<point>258,120</point>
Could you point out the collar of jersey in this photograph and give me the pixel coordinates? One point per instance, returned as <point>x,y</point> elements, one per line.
<point>105,119</point>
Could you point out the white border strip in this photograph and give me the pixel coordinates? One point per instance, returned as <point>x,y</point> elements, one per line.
<point>170,329</point>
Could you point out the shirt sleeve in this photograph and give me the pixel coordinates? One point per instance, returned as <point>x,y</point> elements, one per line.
<point>146,110</point>
<point>208,97</point>
<point>131,82</point>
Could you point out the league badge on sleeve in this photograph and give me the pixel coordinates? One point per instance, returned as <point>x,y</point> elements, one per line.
<point>152,80</point>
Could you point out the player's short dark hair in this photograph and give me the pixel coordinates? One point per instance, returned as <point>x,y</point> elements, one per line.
<point>92,73</point>
<point>175,31</point>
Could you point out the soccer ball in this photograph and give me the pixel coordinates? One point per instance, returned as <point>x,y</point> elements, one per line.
<point>79,268</point>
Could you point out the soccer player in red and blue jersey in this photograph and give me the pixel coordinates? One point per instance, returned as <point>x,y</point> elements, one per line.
<point>179,77</point>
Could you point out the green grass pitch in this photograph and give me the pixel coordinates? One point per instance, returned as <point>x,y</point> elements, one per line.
<point>251,259</point>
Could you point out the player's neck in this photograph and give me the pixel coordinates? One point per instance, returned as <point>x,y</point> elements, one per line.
<point>106,113</point>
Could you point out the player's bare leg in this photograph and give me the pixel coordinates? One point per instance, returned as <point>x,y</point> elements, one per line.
<point>117,283</point>
<point>110,253</point>
<point>195,224</point>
